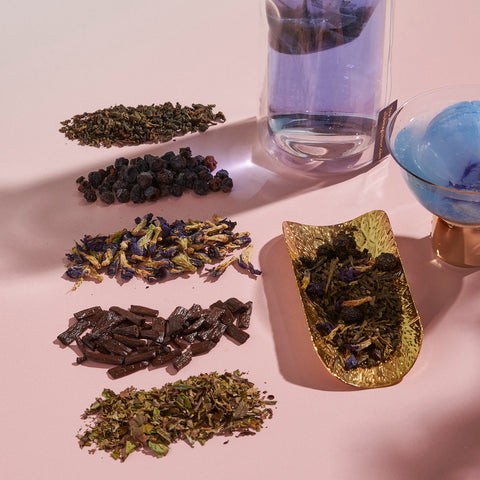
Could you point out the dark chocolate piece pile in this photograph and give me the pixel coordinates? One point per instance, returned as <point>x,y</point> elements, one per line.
<point>137,338</point>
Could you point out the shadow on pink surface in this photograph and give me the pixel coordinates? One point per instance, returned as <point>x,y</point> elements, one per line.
<point>44,220</point>
<point>435,285</point>
<point>297,359</point>
<point>445,448</point>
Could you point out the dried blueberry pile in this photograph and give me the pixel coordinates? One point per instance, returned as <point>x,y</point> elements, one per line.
<point>152,177</point>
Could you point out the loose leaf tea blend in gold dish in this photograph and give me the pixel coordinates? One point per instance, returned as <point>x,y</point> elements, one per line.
<point>120,126</point>
<point>359,309</point>
<point>192,410</point>
<point>155,250</point>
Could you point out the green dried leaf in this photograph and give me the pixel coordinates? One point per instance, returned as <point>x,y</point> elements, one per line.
<point>158,448</point>
<point>193,410</point>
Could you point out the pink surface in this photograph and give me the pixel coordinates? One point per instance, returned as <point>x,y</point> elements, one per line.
<point>63,58</point>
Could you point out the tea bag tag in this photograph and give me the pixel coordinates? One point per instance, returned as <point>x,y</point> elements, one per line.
<point>381,150</point>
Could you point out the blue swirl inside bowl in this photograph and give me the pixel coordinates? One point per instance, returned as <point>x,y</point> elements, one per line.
<point>441,159</point>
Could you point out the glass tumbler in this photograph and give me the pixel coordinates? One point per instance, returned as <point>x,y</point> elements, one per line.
<point>327,80</point>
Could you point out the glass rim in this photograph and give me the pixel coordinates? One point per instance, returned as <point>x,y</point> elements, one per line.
<point>395,115</point>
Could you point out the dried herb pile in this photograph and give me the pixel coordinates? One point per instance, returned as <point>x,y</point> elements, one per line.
<point>120,125</point>
<point>138,338</point>
<point>357,298</point>
<point>152,177</point>
<point>155,249</point>
<point>193,410</point>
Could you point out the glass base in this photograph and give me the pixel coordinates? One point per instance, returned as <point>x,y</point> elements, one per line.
<point>310,160</point>
<point>322,137</point>
<point>456,244</point>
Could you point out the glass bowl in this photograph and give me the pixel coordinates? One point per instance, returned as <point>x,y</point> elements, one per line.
<point>435,138</point>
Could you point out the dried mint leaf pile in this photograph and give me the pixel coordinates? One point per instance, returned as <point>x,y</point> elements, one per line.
<point>120,125</point>
<point>155,250</point>
<point>193,410</point>
<point>357,298</point>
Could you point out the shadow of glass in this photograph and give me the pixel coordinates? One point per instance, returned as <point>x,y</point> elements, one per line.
<point>434,284</point>
<point>448,450</point>
<point>44,220</point>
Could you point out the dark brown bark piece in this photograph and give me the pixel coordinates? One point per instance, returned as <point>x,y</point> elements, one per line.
<point>182,360</point>
<point>239,335</point>
<point>143,311</point>
<point>243,319</point>
<point>123,370</point>
<point>87,312</point>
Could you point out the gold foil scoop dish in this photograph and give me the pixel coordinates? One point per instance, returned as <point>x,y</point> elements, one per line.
<point>372,235</point>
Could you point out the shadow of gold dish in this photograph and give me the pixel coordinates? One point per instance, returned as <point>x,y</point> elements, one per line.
<point>374,233</point>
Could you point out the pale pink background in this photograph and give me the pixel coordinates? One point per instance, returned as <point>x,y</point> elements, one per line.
<point>62,58</point>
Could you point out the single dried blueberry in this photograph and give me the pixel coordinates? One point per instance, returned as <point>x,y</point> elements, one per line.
<point>84,186</point>
<point>90,195</point>
<point>222,174</point>
<point>121,162</point>
<point>151,193</point>
<point>204,176</point>
<point>123,195</point>
<point>227,184</point>
<point>165,177</point>
<point>386,262</point>
<point>177,163</point>
<point>200,187</point>
<point>215,184</point>
<point>139,163</point>
<point>164,190</point>
<point>131,174</point>
<point>111,178</point>
<point>176,190</point>
<point>96,178</point>
<point>351,315</point>
<point>104,187</point>
<point>107,196</point>
<point>190,178</point>
<point>180,179</point>
<point>185,152</point>
<point>145,179</point>
<point>168,156</point>
<point>201,169</point>
<point>344,246</point>
<point>192,162</point>
<point>148,158</point>
<point>157,164</point>
<point>136,194</point>
<point>119,184</point>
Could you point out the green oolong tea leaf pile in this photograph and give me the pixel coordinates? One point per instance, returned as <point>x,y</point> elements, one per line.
<point>357,299</point>
<point>121,126</point>
<point>155,249</point>
<point>192,410</point>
